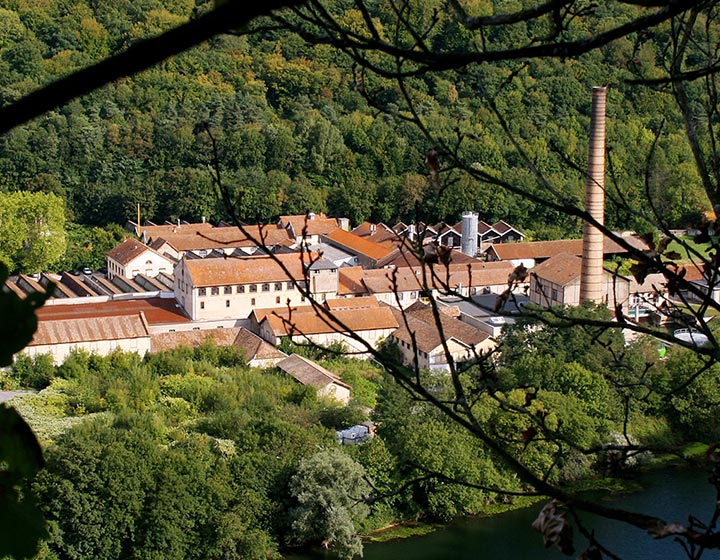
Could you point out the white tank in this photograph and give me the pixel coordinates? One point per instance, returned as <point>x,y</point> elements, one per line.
<point>468,243</point>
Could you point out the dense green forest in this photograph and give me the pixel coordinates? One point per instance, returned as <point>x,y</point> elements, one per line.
<point>191,454</point>
<point>295,134</point>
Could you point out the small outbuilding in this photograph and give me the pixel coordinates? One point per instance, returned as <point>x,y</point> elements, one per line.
<point>131,258</point>
<point>309,373</point>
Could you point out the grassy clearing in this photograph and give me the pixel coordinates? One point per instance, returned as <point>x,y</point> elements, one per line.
<point>686,245</point>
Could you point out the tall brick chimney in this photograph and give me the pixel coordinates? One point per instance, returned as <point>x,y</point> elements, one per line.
<point>591,279</point>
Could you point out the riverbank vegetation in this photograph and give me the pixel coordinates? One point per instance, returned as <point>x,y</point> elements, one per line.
<point>192,454</point>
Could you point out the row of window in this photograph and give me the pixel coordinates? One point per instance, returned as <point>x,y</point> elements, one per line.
<point>410,347</point>
<point>252,302</point>
<point>252,288</point>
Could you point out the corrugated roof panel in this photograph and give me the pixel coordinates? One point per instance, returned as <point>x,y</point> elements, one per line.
<point>88,329</point>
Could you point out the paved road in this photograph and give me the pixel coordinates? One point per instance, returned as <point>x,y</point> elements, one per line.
<point>7,395</point>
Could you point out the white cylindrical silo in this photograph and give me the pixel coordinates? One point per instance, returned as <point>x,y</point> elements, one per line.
<point>468,243</point>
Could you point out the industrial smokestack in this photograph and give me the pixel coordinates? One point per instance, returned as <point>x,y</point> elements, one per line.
<point>591,279</point>
<point>469,233</point>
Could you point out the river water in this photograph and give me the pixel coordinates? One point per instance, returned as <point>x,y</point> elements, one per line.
<point>671,494</point>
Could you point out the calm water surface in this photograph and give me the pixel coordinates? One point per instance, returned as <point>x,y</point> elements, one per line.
<point>670,494</point>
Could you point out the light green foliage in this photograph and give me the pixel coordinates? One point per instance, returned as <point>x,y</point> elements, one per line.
<point>694,410</point>
<point>363,376</point>
<point>330,488</point>
<point>88,246</point>
<point>570,418</point>
<point>32,235</point>
<point>440,447</point>
<point>95,486</point>
<point>199,462</point>
<point>578,385</point>
<point>338,417</point>
<point>425,442</point>
<point>51,412</point>
<point>381,467</point>
<point>36,372</point>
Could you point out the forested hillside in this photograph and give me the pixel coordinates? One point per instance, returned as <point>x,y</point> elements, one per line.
<point>296,134</point>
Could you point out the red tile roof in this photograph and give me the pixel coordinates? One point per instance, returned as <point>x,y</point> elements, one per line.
<point>359,245</point>
<point>386,238</point>
<point>224,238</point>
<point>307,321</point>
<point>89,329</point>
<point>695,273</point>
<point>406,279</point>
<point>350,280</point>
<point>228,271</point>
<point>151,232</point>
<point>546,249</point>
<point>419,322</point>
<point>352,303</point>
<point>385,280</point>
<point>503,227</point>
<point>128,250</point>
<point>318,225</point>
<point>406,257</point>
<point>366,228</point>
<point>157,311</point>
<point>559,269</point>
<point>253,346</point>
<point>308,372</point>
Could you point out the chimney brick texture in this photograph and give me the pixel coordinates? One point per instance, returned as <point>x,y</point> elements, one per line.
<point>591,280</point>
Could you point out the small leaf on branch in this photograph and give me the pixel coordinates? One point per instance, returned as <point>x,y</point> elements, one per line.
<point>555,529</point>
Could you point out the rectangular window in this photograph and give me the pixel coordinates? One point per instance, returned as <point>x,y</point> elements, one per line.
<point>555,295</point>
<point>277,299</point>
<point>253,287</point>
<point>202,305</point>
<point>227,303</point>
<point>214,291</point>
<point>290,286</point>
<point>201,292</point>
<point>266,287</point>
<point>278,286</point>
<point>227,290</point>
<point>252,301</point>
<point>240,289</point>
